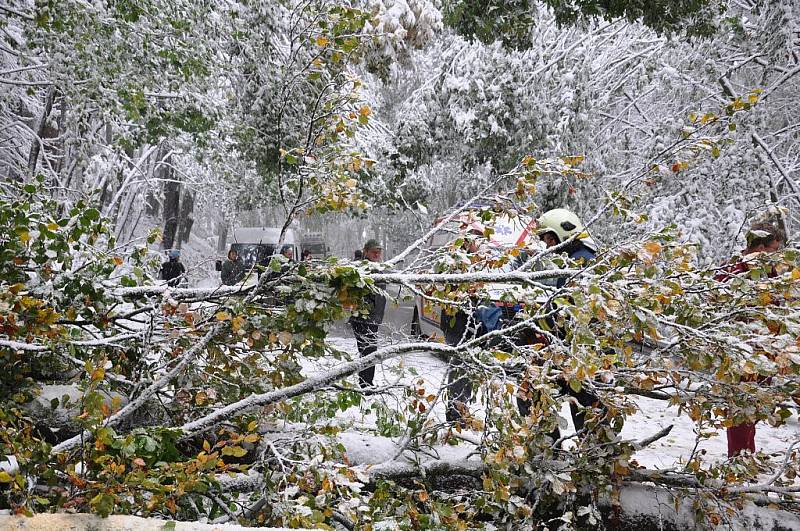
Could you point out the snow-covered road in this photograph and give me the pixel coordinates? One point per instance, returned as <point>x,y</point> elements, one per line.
<point>653,415</point>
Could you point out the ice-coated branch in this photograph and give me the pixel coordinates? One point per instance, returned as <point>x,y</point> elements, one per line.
<point>337,373</point>
<point>307,386</point>
<point>512,276</point>
<point>145,395</point>
<point>784,174</point>
<point>653,438</point>
<point>181,293</point>
<point>443,467</point>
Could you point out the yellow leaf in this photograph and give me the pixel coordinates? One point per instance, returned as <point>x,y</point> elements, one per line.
<point>223,316</point>
<point>5,477</point>
<point>118,260</point>
<point>653,248</point>
<point>502,356</point>
<point>573,161</point>
<point>24,237</point>
<point>364,111</point>
<point>795,273</point>
<point>98,374</point>
<point>52,226</point>
<point>322,41</point>
<point>351,183</point>
<point>201,398</point>
<point>235,451</point>
<point>237,322</point>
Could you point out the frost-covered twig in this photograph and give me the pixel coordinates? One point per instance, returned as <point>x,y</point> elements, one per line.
<point>653,438</point>
<point>148,392</point>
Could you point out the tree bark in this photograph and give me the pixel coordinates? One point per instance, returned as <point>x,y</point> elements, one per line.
<point>186,217</point>
<point>172,197</point>
<point>36,145</point>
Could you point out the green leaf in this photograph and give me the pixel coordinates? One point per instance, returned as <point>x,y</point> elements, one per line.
<point>235,451</point>
<point>92,214</point>
<point>103,504</point>
<point>575,385</point>
<point>5,477</point>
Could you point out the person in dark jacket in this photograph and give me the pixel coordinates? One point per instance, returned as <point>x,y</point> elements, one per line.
<point>365,328</point>
<point>559,225</point>
<point>172,270</point>
<point>555,227</point>
<point>763,237</point>
<point>232,269</point>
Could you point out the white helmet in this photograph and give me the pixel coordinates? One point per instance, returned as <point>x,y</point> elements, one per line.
<point>564,224</point>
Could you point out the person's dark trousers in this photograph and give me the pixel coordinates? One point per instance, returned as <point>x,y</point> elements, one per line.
<point>459,387</point>
<point>584,398</point>
<point>366,333</point>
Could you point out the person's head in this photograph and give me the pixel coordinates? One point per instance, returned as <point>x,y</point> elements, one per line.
<point>174,254</point>
<point>306,254</point>
<point>287,251</point>
<point>373,250</point>
<point>765,237</point>
<point>233,255</point>
<point>558,225</point>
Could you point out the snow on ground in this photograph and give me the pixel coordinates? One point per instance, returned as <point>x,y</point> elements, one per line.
<point>670,451</point>
<point>76,522</point>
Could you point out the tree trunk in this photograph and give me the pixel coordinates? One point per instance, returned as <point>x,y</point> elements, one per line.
<point>186,217</point>
<point>172,198</point>
<point>222,240</point>
<point>36,145</point>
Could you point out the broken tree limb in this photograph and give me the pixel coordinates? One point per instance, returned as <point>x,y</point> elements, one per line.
<point>145,395</point>
<point>653,438</point>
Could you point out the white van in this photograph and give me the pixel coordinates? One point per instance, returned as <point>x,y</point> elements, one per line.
<point>255,245</point>
<point>509,233</point>
<point>314,242</point>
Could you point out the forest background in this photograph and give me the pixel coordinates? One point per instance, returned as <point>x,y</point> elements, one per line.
<point>127,128</point>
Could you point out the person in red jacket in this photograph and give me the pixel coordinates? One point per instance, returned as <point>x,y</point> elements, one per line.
<point>763,237</point>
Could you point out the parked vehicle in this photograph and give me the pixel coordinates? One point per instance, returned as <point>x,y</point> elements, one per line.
<point>315,243</point>
<point>510,236</point>
<point>255,245</point>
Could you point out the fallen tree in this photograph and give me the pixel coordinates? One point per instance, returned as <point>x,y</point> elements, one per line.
<point>215,365</point>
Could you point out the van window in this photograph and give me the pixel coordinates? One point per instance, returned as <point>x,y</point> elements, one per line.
<point>316,248</point>
<point>254,253</point>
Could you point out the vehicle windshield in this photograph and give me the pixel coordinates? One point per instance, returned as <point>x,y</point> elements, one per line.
<point>315,248</point>
<point>254,253</point>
